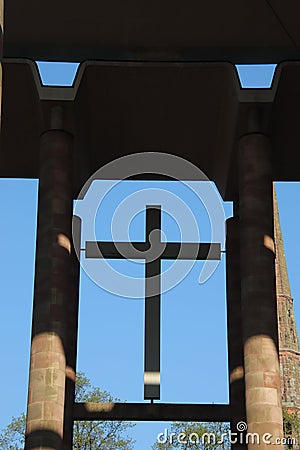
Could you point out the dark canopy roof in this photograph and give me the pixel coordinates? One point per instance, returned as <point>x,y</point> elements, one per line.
<point>247,31</point>
<point>194,110</point>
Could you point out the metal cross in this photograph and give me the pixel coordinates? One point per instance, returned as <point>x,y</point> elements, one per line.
<point>152,250</point>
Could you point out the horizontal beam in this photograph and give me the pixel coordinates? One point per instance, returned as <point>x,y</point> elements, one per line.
<point>152,412</point>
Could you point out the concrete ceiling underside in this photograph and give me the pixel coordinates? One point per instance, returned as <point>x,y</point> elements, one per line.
<point>194,110</point>
<point>248,31</point>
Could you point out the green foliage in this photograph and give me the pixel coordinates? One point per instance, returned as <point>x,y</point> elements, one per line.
<point>98,435</point>
<point>291,423</point>
<point>13,436</point>
<point>195,435</point>
<point>93,435</point>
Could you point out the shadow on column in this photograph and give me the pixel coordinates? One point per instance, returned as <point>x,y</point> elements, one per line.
<point>43,439</point>
<point>54,323</point>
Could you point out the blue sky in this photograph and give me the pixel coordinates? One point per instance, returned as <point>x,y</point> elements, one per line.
<point>110,344</point>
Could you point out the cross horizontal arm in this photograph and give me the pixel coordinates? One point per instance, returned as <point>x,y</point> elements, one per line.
<point>191,250</point>
<point>116,250</point>
<point>135,250</point>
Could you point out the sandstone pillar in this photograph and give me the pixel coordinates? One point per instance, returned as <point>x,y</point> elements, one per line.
<point>71,355</point>
<point>234,327</point>
<point>1,50</point>
<point>46,397</point>
<point>259,316</point>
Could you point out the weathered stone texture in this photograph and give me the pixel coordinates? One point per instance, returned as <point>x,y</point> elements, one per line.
<point>46,399</point>
<point>260,334</point>
<point>287,331</point>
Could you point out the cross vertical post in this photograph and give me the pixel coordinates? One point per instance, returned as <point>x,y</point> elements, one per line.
<point>152,309</point>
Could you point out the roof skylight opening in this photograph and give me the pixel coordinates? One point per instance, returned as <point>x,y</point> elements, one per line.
<point>57,73</point>
<point>259,76</point>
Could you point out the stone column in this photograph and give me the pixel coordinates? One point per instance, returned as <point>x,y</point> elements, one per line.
<point>234,327</point>
<point>1,50</point>
<point>71,355</point>
<point>46,397</point>
<point>1,23</point>
<point>262,376</point>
